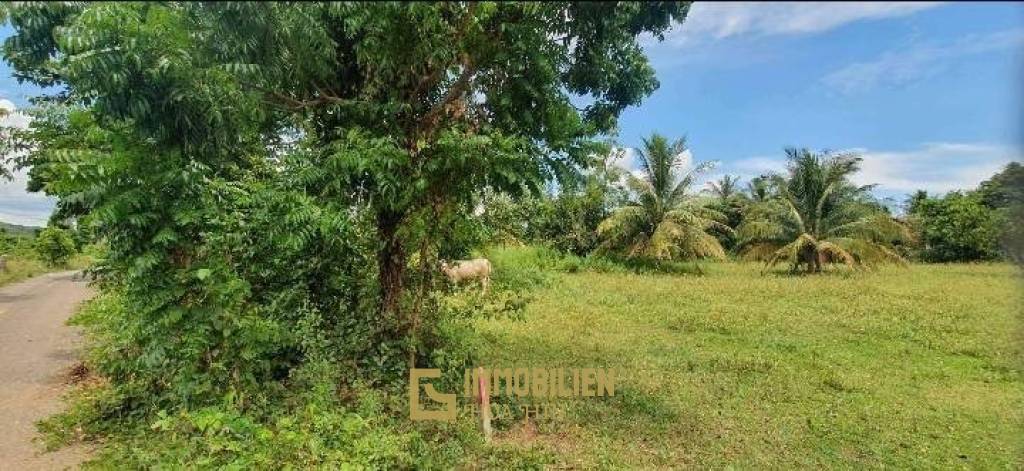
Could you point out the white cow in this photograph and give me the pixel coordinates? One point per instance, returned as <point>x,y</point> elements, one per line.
<point>461,270</point>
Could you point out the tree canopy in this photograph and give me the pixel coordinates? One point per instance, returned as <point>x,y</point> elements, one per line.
<point>257,167</point>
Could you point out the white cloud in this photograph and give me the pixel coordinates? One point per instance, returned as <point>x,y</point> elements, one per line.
<point>713,21</point>
<point>13,118</point>
<point>935,167</point>
<point>624,158</point>
<point>918,61</point>
<point>687,159</point>
<point>17,205</point>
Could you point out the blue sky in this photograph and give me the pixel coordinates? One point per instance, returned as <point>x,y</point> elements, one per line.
<point>930,94</point>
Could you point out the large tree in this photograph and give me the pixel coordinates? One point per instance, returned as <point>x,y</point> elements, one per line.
<point>398,113</point>
<point>415,107</point>
<point>664,220</point>
<point>819,217</point>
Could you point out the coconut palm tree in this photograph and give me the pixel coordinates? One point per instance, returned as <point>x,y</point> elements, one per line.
<point>818,217</point>
<point>759,189</point>
<point>725,188</point>
<point>663,220</point>
<point>728,199</point>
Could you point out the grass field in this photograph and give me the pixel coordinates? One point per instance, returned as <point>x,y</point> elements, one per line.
<point>916,367</point>
<point>21,267</point>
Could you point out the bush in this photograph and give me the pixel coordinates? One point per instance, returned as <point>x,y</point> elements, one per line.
<point>566,221</point>
<point>324,414</point>
<point>956,228</point>
<point>569,221</point>
<point>19,268</point>
<point>55,246</point>
<point>530,266</point>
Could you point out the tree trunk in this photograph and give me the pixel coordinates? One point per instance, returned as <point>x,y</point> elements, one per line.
<point>391,261</point>
<point>809,256</point>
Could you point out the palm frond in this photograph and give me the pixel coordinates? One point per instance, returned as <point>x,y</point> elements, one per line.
<point>791,251</point>
<point>760,251</point>
<point>638,185</point>
<point>820,217</point>
<point>867,253</point>
<point>663,221</point>
<point>834,253</point>
<point>683,186</point>
<point>877,227</point>
<point>666,235</point>
<point>752,232</point>
<point>621,229</point>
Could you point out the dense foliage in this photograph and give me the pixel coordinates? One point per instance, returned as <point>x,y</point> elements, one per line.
<point>55,246</point>
<point>1004,193</point>
<point>955,228</point>
<point>983,224</point>
<point>565,218</point>
<point>275,183</point>
<point>731,201</point>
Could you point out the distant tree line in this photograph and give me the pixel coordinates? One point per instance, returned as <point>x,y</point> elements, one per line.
<point>810,213</point>
<point>980,224</point>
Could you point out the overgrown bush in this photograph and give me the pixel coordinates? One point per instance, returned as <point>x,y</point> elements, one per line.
<point>568,222</point>
<point>957,227</point>
<point>565,220</point>
<point>55,246</point>
<point>318,414</point>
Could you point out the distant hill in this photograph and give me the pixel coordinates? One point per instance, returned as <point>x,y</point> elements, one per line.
<point>18,230</point>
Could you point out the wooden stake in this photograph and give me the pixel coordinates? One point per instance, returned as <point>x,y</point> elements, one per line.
<point>485,404</point>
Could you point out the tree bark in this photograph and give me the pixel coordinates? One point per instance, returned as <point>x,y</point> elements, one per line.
<point>391,261</point>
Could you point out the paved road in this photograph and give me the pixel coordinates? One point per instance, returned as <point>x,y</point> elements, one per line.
<point>36,350</point>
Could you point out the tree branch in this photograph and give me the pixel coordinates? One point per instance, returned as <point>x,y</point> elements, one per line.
<point>431,120</point>
<point>293,103</point>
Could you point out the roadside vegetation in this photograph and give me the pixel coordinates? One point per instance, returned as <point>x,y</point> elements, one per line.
<point>275,188</point>
<point>26,254</point>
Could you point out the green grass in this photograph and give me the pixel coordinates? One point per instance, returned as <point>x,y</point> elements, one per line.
<point>21,267</point>
<point>915,367</point>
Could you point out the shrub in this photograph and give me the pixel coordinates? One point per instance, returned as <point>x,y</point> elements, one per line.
<point>55,246</point>
<point>956,228</point>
